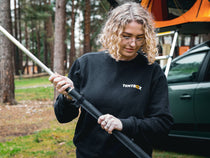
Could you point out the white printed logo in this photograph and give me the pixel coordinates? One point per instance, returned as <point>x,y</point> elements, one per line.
<point>132,86</point>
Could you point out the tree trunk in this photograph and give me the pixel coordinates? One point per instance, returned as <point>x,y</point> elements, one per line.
<point>20,37</point>
<point>72,49</point>
<point>49,39</point>
<point>27,46</point>
<point>33,45</point>
<point>59,46</point>
<point>87,47</point>
<point>17,62</point>
<point>7,94</point>
<point>38,44</point>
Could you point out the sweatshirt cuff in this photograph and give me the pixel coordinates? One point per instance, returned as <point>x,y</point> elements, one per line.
<point>65,101</point>
<point>127,126</point>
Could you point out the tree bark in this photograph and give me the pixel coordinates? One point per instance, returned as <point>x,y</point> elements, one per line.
<point>72,49</point>
<point>7,94</point>
<point>38,44</point>
<point>59,46</point>
<point>87,47</point>
<point>27,46</point>
<point>49,39</point>
<point>20,38</point>
<point>17,61</point>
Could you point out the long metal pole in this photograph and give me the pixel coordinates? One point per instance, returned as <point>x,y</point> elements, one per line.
<point>135,149</point>
<point>171,53</point>
<point>26,51</point>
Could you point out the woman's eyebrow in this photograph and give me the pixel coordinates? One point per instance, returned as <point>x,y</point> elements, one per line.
<point>130,34</point>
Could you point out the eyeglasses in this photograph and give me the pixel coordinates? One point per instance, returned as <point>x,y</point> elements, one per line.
<point>130,39</point>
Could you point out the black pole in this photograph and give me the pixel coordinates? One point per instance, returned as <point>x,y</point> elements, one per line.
<point>135,149</point>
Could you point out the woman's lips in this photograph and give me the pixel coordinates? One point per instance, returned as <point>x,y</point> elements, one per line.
<point>129,49</point>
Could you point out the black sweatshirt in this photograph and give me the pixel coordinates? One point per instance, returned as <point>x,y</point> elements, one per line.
<point>133,91</point>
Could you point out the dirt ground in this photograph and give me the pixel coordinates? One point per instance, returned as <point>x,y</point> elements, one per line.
<point>24,118</point>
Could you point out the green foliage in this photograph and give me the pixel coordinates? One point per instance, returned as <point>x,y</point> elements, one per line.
<point>35,10</point>
<point>98,15</point>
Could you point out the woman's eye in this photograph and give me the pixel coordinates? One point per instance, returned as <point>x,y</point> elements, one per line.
<point>139,38</point>
<point>126,37</point>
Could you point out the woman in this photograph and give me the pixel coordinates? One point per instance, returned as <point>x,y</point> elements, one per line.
<point>123,83</point>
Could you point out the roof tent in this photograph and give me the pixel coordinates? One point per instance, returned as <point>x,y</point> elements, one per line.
<point>194,20</point>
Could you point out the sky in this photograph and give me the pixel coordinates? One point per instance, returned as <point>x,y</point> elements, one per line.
<point>12,4</point>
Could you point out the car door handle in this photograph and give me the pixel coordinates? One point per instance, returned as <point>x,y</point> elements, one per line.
<point>185,97</point>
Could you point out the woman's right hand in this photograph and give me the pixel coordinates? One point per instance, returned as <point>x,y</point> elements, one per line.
<point>61,83</point>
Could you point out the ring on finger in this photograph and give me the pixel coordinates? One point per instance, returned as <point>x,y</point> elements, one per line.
<point>107,126</point>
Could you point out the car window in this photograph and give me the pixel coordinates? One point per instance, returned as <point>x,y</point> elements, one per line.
<point>185,69</point>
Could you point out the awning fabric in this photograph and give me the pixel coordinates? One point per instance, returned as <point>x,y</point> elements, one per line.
<point>195,20</point>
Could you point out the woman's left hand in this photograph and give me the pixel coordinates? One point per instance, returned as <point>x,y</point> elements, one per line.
<point>109,123</point>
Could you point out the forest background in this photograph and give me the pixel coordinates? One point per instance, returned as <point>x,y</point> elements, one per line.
<point>56,32</point>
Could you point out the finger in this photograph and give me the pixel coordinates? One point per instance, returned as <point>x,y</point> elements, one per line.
<point>66,78</point>
<point>104,119</point>
<point>57,79</point>
<point>109,122</point>
<point>111,128</point>
<point>64,87</point>
<point>52,77</point>
<point>100,119</point>
<point>103,124</point>
<point>60,83</point>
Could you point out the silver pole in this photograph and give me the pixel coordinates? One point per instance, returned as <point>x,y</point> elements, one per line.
<point>27,52</point>
<point>171,53</point>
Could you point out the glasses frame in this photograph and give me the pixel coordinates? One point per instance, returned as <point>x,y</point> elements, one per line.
<point>129,39</point>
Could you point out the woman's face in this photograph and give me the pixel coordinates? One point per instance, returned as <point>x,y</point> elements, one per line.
<point>132,38</point>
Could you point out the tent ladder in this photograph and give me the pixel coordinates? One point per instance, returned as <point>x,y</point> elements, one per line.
<point>170,56</point>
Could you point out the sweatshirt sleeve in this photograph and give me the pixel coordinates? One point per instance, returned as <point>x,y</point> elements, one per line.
<point>157,120</point>
<point>67,110</point>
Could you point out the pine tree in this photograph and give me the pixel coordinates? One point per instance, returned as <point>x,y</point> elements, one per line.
<point>6,57</point>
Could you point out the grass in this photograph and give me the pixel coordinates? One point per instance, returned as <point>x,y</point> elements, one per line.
<point>39,93</point>
<point>33,89</point>
<point>165,154</point>
<point>55,141</point>
<point>19,83</point>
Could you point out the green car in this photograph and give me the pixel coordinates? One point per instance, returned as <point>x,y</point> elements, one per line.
<point>189,93</point>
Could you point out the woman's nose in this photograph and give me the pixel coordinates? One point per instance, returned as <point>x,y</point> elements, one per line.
<point>133,42</point>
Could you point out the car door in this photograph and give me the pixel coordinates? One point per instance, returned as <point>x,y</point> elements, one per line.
<point>202,102</point>
<point>182,81</point>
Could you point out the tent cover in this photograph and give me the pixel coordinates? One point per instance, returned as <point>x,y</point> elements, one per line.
<point>196,20</point>
<point>194,17</point>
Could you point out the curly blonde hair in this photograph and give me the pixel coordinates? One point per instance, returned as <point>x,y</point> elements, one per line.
<point>118,18</point>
